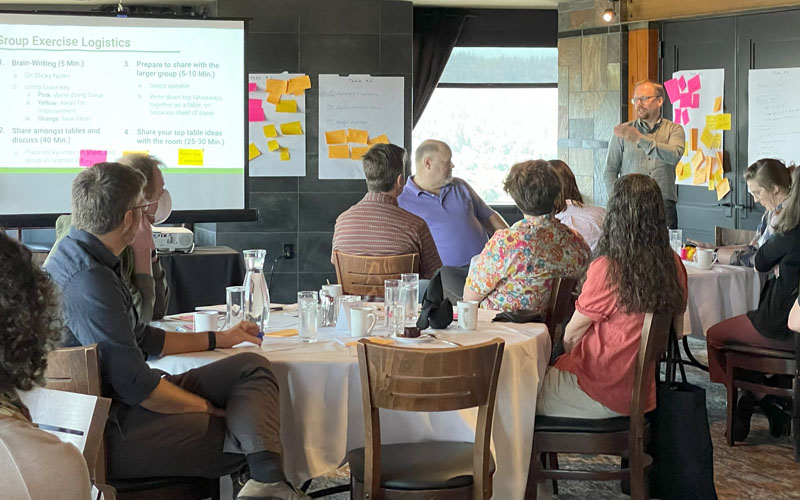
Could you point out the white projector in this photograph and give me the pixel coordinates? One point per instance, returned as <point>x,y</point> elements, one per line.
<point>173,239</point>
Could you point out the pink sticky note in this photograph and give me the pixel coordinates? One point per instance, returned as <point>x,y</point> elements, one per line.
<point>678,116</point>
<point>255,111</point>
<point>682,83</point>
<point>91,156</point>
<point>686,100</point>
<point>252,87</point>
<point>685,116</point>
<point>694,84</point>
<point>695,101</point>
<point>672,90</point>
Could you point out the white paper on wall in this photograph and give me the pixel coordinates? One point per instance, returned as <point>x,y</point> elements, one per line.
<point>774,115</point>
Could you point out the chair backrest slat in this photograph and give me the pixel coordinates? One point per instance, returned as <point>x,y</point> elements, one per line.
<point>364,275</point>
<point>74,369</point>
<point>561,304</point>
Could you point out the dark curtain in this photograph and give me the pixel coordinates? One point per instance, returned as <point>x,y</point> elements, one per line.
<point>436,32</point>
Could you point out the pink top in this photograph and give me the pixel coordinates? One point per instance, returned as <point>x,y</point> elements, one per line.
<point>586,221</point>
<point>605,358</point>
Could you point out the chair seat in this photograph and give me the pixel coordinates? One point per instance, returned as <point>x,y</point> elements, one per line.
<point>565,424</point>
<point>421,466</point>
<point>758,351</point>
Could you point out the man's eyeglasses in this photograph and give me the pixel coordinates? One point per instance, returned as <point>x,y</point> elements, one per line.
<point>146,207</point>
<point>644,99</point>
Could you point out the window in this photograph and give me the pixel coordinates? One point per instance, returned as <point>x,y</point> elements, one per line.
<point>495,107</point>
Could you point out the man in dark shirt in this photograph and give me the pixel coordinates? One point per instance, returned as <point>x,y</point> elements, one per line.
<point>207,422</point>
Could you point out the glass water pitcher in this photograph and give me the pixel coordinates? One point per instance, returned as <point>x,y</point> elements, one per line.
<point>256,293</point>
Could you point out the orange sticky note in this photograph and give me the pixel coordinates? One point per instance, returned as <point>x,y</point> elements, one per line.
<point>286,106</point>
<point>357,136</point>
<point>339,151</point>
<point>719,160</point>
<point>693,139</point>
<point>273,98</point>
<point>275,86</point>
<point>290,332</point>
<point>356,152</point>
<point>700,176</point>
<point>291,128</point>
<point>270,131</point>
<point>723,188</point>
<point>717,104</point>
<point>254,151</point>
<point>697,159</point>
<point>298,84</point>
<point>273,145</point>
<point>193,157</point>
<point>285,154</point>
<point>381,139</point>
<point>336,137</point>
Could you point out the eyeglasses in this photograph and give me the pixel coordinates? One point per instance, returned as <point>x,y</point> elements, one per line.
<point>644,99</point>
<point>146,207</point>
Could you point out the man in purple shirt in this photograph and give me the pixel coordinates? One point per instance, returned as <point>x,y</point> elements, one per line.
<point>459,220</point>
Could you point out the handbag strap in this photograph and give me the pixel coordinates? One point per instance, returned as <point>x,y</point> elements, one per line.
<point>673,357</point>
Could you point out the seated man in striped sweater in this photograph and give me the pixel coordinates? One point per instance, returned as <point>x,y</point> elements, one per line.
<point>376,225</point>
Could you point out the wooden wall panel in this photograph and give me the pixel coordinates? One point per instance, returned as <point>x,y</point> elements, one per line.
<point>642,60</point>
<point>657,10</point>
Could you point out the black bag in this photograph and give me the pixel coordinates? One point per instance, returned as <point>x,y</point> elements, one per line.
<point>437,311</point>
<point>680,442</point>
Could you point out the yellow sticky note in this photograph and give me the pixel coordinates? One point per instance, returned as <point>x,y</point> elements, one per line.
<point>285,154</point>
<point>336,137</point>
<point>273,145</point>
<point>275,86</point>
<point>720,160</point>
<point>711,184</point>
<point>686,173</point>
<point>700,175</point>
<point>298,84</point>
<point>287,106</point>
<point>381,139</point>
<point>723,188</point>
<point>254,151</point>
<point>357,136</point>
<point>717,175</point>
<point>718,104</point>
<point>697,159</point>
<point>291,128</point>
<point>707,138</point>
<point>339,151</point>
<point>356,152</point>
<point>273,98</point>
<point>717,142</point>
<point>270,131</point>
<point>719,122</point>
<point>290,332</point>
<point>192,157</point>
<point>686,149</point>
<point>142,152</point>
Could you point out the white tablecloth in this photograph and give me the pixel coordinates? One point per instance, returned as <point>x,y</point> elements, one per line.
<point>718,294</point>
<point>321,415</point>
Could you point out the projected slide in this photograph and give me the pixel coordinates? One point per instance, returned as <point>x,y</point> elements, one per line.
<point>79,90</point>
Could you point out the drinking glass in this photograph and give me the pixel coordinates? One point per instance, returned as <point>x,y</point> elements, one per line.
<point>676,240</point>
<point>308,309</point>
<point>234,298</point>
<point>396,317</point>
<point>391,297</point>
<point>409,295</point>
<point>256,293</point>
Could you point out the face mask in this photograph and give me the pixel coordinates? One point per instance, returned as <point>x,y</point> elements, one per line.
<point>164,208</point>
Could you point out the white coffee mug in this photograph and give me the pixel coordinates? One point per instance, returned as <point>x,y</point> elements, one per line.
<point>205,321</point>
<point>467,314</point>
<point>362,321</point>
<point>332,290</point>
<point>705,258</point>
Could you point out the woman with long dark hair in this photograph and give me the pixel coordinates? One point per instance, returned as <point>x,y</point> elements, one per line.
<point>767,325</point>
<point>636,272</point>
<point>33,463</point>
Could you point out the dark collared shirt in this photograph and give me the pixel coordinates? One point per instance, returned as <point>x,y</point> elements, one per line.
<point>99,310</point>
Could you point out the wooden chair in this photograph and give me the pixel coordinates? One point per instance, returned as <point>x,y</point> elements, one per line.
<point>560,307</point>
<point>767,361</point>
<point>623,436</point>
<point>408,379</point>
<point>724,236</point>
<point>77,369</point>
<point>364,275</point>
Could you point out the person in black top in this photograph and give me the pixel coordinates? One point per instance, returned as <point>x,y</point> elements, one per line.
<point>766,326</point>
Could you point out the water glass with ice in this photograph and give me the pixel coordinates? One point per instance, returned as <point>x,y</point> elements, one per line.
<point>234,299</point>
<point>676,240</point>
<point>308,310</point>
<point>409,295</point>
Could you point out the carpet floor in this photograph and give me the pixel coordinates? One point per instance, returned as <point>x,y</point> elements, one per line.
<point>763,467</point>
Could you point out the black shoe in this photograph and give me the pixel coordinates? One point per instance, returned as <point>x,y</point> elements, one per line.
<point>741,417</point>
<point>780,422</point>
<point>239,479</point>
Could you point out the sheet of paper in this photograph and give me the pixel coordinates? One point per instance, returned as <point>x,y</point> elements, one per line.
<point>356,152</point>
<point>357,136</point>
<point>291,128</point>
<point>66,415</point>
<point>717,104</point>
<point>336,137</point>
<point>286,106</point>
<point>273,145</point>
<point>773,115</point>
<point>673,92</point>
<point>192,157</point>
<point>89,157</point>
<point>285,156</point>
<point>693,84</point>
<point>341,151</point>
<point>270,131</point>
<point>723,188</point>
<point>255,111</point>
<point>707,138</point>
<point>254,151</point>
<point>289,332</point>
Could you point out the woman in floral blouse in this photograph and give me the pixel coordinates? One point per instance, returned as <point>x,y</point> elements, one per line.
<point>516,268</point>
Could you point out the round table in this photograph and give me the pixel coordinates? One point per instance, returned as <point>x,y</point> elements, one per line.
<point>321,408</point>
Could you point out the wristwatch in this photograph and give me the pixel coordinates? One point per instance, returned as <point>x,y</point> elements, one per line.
<point>212,340</point>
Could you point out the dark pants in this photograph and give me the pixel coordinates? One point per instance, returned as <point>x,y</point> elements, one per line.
<point>142,443</point>
<point>672,214</point>
<point>453,280</point>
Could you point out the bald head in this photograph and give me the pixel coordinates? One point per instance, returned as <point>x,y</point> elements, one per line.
<point>434,166</point>
<point>428,149</point>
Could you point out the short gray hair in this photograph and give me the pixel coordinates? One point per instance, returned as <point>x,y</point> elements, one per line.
<point>382,164</point>
<point>102,193</point>
<point>656,86</point>
<point>147,165</point>
<point>426,149</point>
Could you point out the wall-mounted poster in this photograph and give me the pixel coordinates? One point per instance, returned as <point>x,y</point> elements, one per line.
<point>774,115</point>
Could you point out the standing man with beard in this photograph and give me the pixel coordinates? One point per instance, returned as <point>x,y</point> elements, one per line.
<point>650,145</point>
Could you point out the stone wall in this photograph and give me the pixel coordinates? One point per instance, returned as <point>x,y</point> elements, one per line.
<point>592,68</point>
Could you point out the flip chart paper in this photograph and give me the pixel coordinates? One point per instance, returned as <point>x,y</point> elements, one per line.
<point>285,156</point>
<point>356,152</point>
<point>286,106</point>
<point>192,157</point>
<point>693,84</point>
<point>718,104</point>
<point>273,145</point>
<point>339,151</point>
<point>298,84</point>
<point>723,188</point>
<point>270,131</point>
<point>357,136</point>
<point>139,152</point>
<point>673,92</point>
<point>254,151</point>
<point>774,116</point>
<point>719,122</point>
<point>255,111</point>
<point>336,137</point>
<point>89,157</point>
<point>252,87</point>
<point>291,128</point>
<point>381,139</point>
